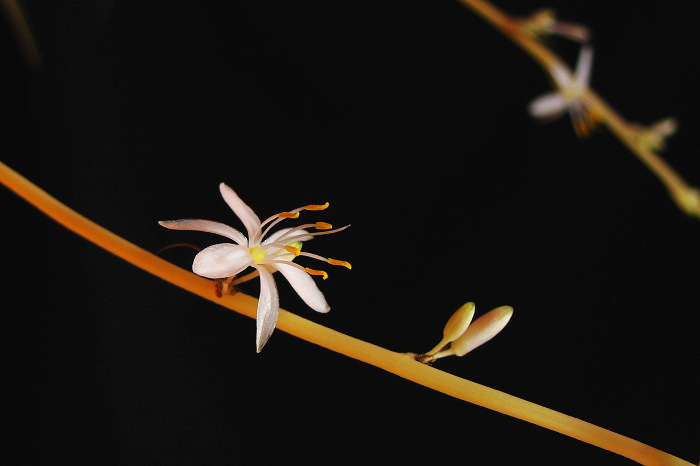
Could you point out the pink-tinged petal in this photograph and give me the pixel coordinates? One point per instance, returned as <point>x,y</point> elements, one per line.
<point>584,66</point>
<point>548,106</point>
<point>561,75</point>
<point>206,226</point>
<point>305,286</point>
<point>221,261</point>
<point>268,308</point>
<point>241,209</point>
<point>572,31</point>
<point>297,236</point>
<point>482,330</point>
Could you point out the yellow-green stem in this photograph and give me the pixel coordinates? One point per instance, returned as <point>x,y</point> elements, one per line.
<point>686,197</point>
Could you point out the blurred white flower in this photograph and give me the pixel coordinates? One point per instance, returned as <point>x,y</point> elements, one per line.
<point>569,96</point>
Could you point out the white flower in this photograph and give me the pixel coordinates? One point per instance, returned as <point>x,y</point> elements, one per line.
<point>569,96</point>
<point>266,255</point>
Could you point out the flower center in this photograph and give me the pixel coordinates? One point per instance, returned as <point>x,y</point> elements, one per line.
<point>573,91</point>
<point>257,253</point>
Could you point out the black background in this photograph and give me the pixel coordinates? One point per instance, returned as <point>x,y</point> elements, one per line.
<point>410,119</point>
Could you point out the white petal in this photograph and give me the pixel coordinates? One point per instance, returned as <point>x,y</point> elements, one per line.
<point>268,308</point>
<point>241,209</point>
<point>221,261</point>
<point>305,286</point>
<point>482,330</point>
<point>584,66</point>
<point>273,237</point>
<point>561,75</point>
<point>206,226</point>
<point>547,106</point>
<point>572,31</point>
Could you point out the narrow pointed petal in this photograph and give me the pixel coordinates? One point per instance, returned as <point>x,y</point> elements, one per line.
<point>206,226</point>
<point>221,261</point>
<point>268,308</point>
<point>561,75</point>
<point>298,236</point>
<point>572,31</point>
<point>241,209</point>
<point>547,106</point>
<point>584,66</point>
<point>305,286</point>
<point>482,330</point>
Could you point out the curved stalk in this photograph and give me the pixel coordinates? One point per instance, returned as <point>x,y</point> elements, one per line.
<point>686,197</point>
<point>397,363</point>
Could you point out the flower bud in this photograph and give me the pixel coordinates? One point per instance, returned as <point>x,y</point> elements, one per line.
<point>654,137</point>
<point>459,322</point>
<point>482,330</point>
<point>456,326</point>
<point>544,22</point>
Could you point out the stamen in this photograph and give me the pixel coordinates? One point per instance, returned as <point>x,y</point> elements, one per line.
<point>323,226</point>
<point>293,250</point>
<point>584,120</point>
<point>316,207</point>
<point>317,272</point>
<point>314,256</point>
<point>290,237</point>
<point>337,262</point>
<point>259,235</point>
<point>282,261</point>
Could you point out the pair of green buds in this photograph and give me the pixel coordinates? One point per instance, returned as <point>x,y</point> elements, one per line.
<point>462,336</point>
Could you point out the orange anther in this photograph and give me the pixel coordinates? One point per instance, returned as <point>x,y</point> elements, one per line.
<point>317,272</point>
<point>323,226</point>
<point>293,250</point>
<point>337,262</point>
<point>288,215</point>
<point>316,207</point>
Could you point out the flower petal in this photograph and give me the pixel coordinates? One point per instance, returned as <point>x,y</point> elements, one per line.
<point>268,308</point>
<point>241,209</point>
<point>221,261</point>
<point>305,286</point>
<point>561,75</point>
<point>584,66</point>
<point>297,236</point>
<point>571,31</point>
<point>548,105</point>
<point>206,226</point>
